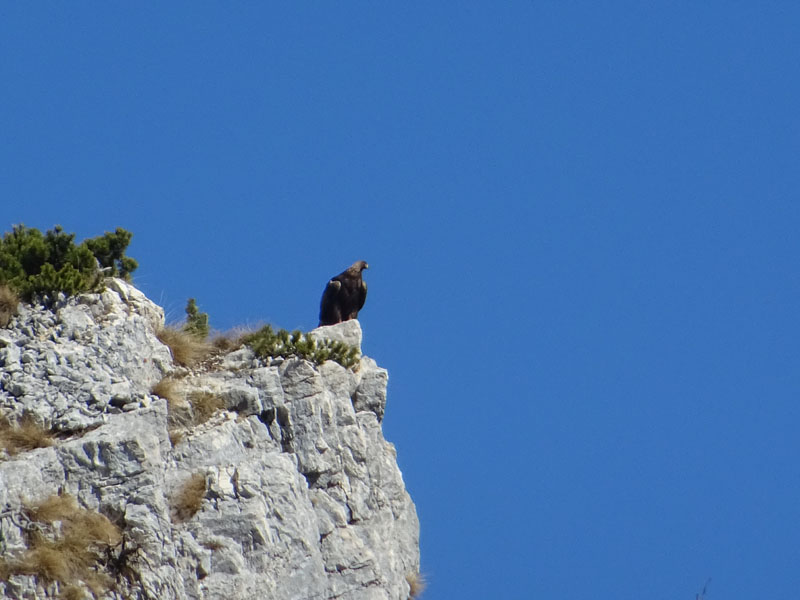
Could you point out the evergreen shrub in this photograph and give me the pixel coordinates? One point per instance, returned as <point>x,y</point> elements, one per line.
<point>268,343</point>
<point>42,265</point>
<point>196,322</point>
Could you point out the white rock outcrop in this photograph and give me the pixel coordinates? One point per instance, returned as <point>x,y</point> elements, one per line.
<point>303,497</point>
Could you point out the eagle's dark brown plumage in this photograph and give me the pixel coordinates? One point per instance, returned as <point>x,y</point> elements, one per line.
<point>343,296</point>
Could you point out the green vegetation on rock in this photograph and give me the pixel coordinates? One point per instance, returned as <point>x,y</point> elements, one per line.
<point>268,343</point>
<point>109,250</point>
<point>196,322</point>
<point>37,265</point>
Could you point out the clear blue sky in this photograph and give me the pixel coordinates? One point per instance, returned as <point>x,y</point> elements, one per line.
<point>582,224</point>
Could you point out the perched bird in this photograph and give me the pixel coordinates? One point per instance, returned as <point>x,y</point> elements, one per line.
<point>344,295</point>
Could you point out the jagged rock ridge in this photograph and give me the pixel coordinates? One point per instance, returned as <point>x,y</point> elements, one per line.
<point>300,495</point>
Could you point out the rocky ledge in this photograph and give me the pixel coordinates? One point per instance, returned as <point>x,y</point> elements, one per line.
<point>241,478</point>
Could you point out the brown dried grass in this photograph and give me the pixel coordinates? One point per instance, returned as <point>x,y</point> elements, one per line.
<point>224,343</point>
<point>205,404</point>
<point>175,437</point>
<point>54,508</point>
<point>167,389</point>
<point>187,349</point>
<point>81,525</point>
<point>189,498</point>
<point>179,414</point>
<point>73,553</point>
<point>23,436</point>
<point>72,592</point>
<point>213,545</point>
<point>9,301</point>
<point>416,584</point>
<point>233,339</point>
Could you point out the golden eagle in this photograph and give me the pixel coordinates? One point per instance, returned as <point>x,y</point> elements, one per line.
<point>343,296</point>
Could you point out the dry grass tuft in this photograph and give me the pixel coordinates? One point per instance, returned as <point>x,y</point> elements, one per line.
<point>213,545</point>
<point>59,560</point>
<point>98,528</point>
<point>205,404</point>
<point>179,413</point>
<point>72,592</point>
<point>185,411</point>
<point>85,527</point>
<point>167,389</point>
<point>225,344</point>
<point>9,301</point>
<point>189,498</point>
<point>25,435</point>
<point>175,437</point>
<point>187,349</point>
<point>55,508</point>
<point>71,548</point>
<point>233,339</point>
<point>416,584</point>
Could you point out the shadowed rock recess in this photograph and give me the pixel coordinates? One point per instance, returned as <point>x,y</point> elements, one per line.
<point>302,499</point>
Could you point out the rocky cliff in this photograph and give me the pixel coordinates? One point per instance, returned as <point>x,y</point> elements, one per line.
<point>240,478</point>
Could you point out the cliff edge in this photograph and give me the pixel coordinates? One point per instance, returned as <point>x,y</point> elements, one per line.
<point>244,478</point>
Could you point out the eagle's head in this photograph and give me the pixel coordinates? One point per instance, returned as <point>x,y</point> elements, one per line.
<point>359,266</point>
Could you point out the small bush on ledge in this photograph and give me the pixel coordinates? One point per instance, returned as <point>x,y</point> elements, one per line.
<point>268,343</point>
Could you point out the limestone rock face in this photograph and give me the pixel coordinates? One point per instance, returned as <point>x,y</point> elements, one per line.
<point>303,497</point>
<point>348,332</point>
